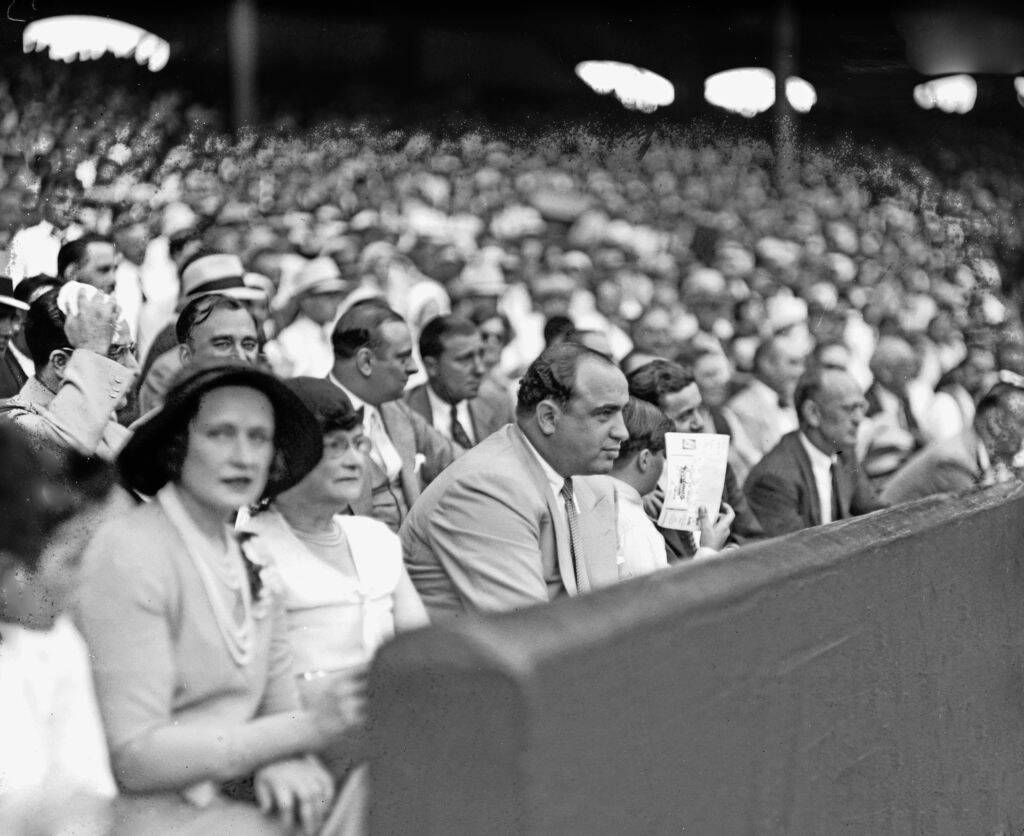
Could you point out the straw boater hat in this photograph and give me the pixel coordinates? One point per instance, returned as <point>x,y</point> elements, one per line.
<point>320,275</point>
<point>7,297</point>
<point>220,273</point>
<point>297,435</point>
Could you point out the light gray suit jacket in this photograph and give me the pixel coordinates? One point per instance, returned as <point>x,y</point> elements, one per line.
<point>946,466</point>
<point>488,534</point>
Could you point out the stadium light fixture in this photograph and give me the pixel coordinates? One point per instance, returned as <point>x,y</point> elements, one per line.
<point>88,37</point>
<point>951,94</point>
<point>751,90</point>
<point>1018,85</point>
<point>634,87</point>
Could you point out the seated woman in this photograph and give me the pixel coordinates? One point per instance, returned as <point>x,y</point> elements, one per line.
<point>54,768</point>
<point>188,637</point>
<point>346,589</point>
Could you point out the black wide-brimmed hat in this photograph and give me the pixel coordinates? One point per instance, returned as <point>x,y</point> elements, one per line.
<point>297,434</point>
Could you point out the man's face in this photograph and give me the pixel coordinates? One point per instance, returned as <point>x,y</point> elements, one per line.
<point>978,368</point>
<point>11,320</point>
<point>456,374</point>
<point>61,206</point>
<point>654,334</point>
<point>97,266</point>
<point>321,307</point>
<point>712,373</point>
<point>590,428</point>
<point>393,363</point>
<point>684,408</point>
<point>840,410</point>
<point>783,367</point>
<point>224,334</point>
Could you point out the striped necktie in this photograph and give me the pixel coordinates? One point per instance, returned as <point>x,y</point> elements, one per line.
<point>574,532</point>
<point>459,435</point>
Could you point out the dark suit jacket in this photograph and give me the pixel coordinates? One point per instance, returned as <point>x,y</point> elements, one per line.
<point>783,495</point>
<point>12,376</point>
<point>490,410</point>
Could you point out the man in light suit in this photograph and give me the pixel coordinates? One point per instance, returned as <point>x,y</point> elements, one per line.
<point>85,366</point>
<point>812,476</point>
<point>458,400</point>
<point>372,363</point>
<point>981,454</point>
<point>760,414</point>
<point>515,521</point>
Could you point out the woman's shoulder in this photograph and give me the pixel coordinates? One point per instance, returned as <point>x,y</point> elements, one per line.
<point>366,531</point>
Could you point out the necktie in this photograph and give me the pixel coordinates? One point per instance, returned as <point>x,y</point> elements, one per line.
<point>458,431</point>
<point>574,532</point>
<point>383,452</point>
<point>837,509</point>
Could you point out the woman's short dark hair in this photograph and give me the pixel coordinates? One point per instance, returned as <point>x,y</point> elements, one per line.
<point>44,329</point>
<point>659,377</point>
<point>553,376</point>
<point>40,490</point>
<point>646,425</point>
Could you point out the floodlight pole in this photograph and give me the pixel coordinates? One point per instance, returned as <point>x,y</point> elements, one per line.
<point>243,43</point>
<point>785,60</point>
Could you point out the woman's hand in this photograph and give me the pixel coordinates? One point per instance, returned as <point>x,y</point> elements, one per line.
<point>298,790</point>
<point>337,700</point>
<point>714,535</point>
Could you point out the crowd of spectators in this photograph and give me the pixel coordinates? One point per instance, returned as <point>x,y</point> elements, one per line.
<point>361,376</point>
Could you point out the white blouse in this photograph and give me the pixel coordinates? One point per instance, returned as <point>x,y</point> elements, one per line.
<point>335,621</point>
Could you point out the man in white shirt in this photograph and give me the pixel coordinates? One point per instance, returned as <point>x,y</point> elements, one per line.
<point>34,249</point>
<point>764,411</point>
<point>54,766</point>
<point>458,399</point>
<point>303,348</point>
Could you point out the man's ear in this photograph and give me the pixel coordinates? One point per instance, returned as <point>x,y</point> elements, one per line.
<point>811,414</point>
<point>364,361</point>
<point>71,273</point>
<point>547,414</point>
<point>430,366</point>
<point>184,353</point>
<point>59,361</point>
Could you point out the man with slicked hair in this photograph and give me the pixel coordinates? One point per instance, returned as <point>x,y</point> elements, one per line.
<point>517,520</point>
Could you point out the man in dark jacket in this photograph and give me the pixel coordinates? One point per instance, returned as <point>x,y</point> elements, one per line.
<point>812,476</point>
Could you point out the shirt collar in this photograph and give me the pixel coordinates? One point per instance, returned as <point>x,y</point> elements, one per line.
<point>357,402</point>
<point>628,493</point>
<point>819,459</point>
<point>438,404</point>
<point>554,478</point>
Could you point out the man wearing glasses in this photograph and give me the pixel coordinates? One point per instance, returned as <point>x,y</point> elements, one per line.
<point>85,364</point>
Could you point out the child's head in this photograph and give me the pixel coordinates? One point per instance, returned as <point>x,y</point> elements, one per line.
<point>642,457</point>
<point>41,540</point>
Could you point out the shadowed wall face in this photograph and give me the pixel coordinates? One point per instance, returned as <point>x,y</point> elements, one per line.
<point>865,677</point>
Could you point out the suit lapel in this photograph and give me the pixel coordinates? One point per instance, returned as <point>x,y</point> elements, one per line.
<point>418,401</point>
<point>482,417</point>
<point>597,532</point>
<point>803,462</point>
<point>400,432</point>
<point>563,553</point>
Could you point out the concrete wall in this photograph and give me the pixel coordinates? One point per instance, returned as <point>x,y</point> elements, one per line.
<point>864,677</point>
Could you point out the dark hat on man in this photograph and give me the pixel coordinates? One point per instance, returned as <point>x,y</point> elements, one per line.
<point>297,434</point>
<point>7,297</point>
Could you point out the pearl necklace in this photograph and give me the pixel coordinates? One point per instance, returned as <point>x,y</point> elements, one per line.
<point>213,564</point>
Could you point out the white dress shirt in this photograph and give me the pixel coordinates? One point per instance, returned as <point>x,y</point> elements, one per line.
<point>303,349</point>
<point>821,466</point>
<point>53,743</point>
<point>384,452</point>
<point>641,549</point>
<point>441,415</point>
<point>555,482</point>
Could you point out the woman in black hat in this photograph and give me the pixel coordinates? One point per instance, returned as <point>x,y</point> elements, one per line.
<point>186,629</point>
